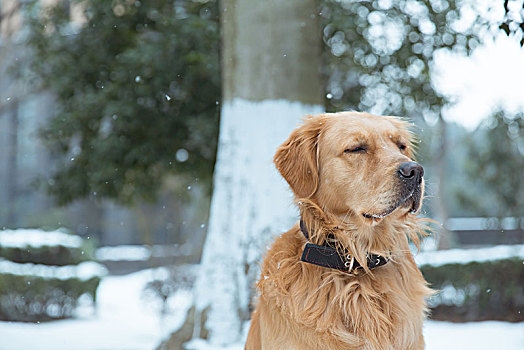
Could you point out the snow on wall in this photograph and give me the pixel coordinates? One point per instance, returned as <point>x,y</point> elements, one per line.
<point>474,224</point>
<point>21,238</point>
<point>82,271</point>
<point>464,256</point>
<point>251,204</point>
<point>141,252</point>
<point>124,252</point>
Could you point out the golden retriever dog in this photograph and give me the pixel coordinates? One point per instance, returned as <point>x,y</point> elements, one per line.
<point>344,278</point>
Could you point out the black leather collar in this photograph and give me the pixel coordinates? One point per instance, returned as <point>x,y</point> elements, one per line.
<point>326,256</point>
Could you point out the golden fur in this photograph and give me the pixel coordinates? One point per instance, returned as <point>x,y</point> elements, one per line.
<point>352,194</point>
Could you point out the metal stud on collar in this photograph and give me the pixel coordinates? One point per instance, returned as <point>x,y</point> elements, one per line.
<point>349,262</point>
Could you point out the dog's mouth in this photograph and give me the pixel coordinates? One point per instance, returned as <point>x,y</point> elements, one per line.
<point>411,201</point>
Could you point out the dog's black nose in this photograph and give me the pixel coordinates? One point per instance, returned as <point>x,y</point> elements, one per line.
<point>411,171</point>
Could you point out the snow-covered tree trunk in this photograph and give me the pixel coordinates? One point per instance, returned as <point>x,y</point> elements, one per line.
<point>271,79</point>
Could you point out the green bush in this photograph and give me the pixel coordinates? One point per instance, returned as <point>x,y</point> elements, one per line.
<point>477,291</point>
<point>48,255</point>
<point>35,246</point>
<point>32,298</point>
<point>43,274</point>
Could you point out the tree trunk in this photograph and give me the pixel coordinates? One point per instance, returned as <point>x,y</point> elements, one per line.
<point>271,78</point>
<point>445,237</point>
<point>12,168</point>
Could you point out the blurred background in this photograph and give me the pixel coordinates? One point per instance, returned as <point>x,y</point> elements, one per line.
<point>135,158</point>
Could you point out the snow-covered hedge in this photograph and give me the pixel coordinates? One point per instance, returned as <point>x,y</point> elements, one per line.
<point>476,284</point>
<point>40,247</point>
<point>43,274</point>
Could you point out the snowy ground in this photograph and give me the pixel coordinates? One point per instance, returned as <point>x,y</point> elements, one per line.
<point>475,335</point>
<point>125,321</point>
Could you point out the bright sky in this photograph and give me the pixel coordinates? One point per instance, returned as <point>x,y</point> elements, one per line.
<point>492,77</point>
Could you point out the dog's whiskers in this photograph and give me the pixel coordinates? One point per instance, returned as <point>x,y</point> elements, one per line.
<point>344,219</point>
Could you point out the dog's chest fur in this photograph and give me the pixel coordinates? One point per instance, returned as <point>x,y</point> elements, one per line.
<point>317,308</point>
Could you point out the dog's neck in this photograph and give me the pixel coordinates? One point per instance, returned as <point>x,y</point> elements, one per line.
<point>349,234</point>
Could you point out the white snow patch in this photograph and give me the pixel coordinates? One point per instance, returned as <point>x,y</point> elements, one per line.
<point>474,224</point>
<point>200,344</point>
<point>449,295</point>
<point>121,321</point>
<point>473,335</point>
<point>82,271</point>
<point>23,238</point>
<point>438,335</point>
<point>140,252</point>
<point>123,252</point>
<point>464,256</point>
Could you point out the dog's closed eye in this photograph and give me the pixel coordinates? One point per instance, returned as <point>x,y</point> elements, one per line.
<point>358,149</point>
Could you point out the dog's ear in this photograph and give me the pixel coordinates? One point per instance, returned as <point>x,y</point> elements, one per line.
<point>297,158</point>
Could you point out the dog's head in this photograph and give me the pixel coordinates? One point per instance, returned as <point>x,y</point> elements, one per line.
<point>354,164</point>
